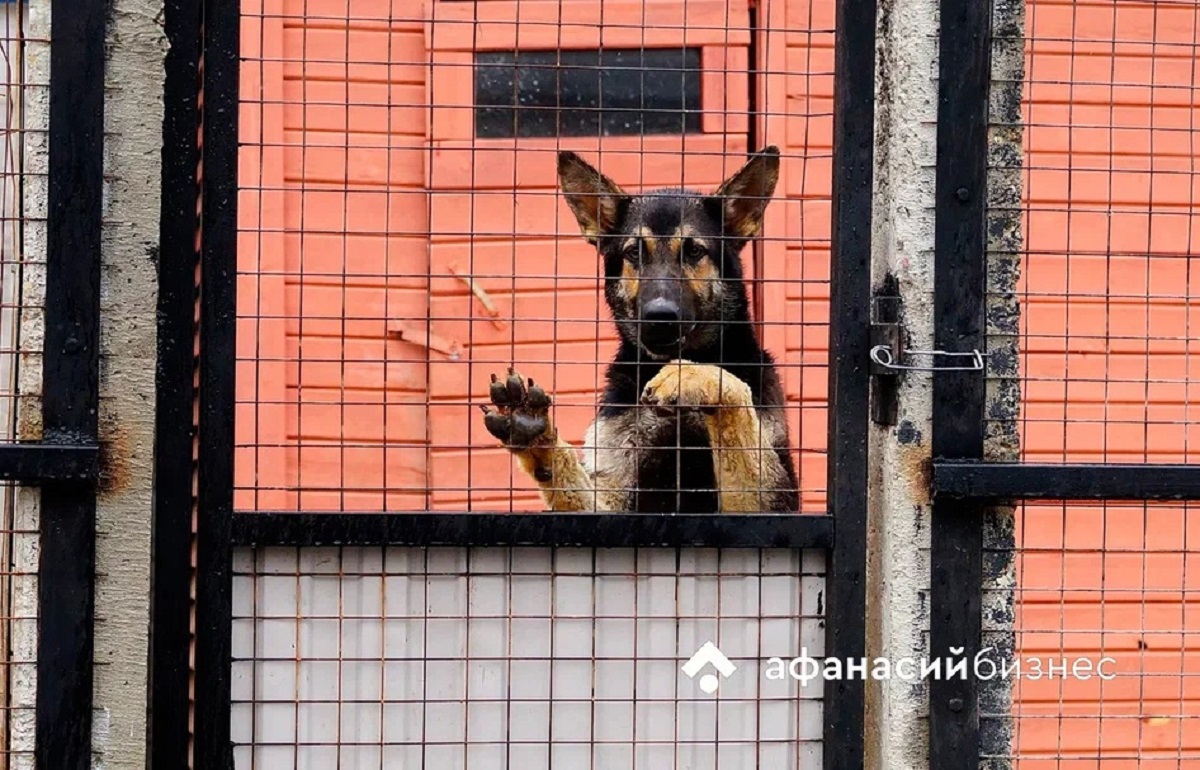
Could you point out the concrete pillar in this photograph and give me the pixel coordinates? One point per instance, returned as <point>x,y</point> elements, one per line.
<point>899,510</point>
<point>903,250</point>
<point>129,294</point>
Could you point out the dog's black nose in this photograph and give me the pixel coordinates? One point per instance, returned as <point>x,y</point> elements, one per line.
<point>660,311</point>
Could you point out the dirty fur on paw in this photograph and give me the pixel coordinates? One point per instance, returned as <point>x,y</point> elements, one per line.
<point>520,412</point>
<point>681,384</point>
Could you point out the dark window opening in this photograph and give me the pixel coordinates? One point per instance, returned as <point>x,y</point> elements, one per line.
<point>611,92</point>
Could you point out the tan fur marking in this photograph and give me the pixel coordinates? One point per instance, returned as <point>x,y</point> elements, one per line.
<point>702,277</point>
<point>570,488</point>
<point>748,228</point>
<point>629,281</point>
<point>747,468</point>
<point>675,243</point>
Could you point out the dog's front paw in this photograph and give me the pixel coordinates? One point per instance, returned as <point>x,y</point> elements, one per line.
<point>683,384</point>
<point>520,412</point>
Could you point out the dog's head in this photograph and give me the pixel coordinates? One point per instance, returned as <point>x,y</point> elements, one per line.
<point>671,257</point>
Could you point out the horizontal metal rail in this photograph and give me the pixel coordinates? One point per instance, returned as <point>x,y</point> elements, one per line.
<point>588,530</point>
<point>32,463</point>
<point>978,480</point>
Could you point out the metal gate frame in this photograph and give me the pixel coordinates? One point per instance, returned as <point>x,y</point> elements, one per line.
<point>66,461</point>
<point>200,167</point>
<point>963,483</point>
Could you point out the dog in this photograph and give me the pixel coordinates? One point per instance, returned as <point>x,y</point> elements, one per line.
<point>692,416</point>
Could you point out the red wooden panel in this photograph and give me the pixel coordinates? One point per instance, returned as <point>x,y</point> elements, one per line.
<point>547,24</point>
<point>332,176</point>
<point>555,325</point>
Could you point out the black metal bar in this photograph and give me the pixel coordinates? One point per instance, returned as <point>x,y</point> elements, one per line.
<point>218,294</point>
<point>997,482</point>
<point>70,383</point>
<point>849,389</point>
<point>592,530</point>
<point>170,632</point>
<point>956,533</point>
<point>33,463</point>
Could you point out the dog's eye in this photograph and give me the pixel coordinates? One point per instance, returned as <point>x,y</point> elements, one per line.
<point>694,252</point>
<point>633,254</point>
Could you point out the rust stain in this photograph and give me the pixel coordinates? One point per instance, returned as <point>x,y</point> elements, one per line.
<point>915,465</point>
<point>29,421</point>
<point>115,470</point>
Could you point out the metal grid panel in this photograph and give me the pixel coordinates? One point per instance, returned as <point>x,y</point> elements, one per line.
<point>24,67</point>
<point>19,621</point>
<point>1106,296</point>
<point>523,658</point>
<point>1108,277</point>
<point>1115,581</point>
<point>394,250</point>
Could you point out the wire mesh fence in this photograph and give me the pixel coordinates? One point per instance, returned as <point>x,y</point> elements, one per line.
<point>1117,583</point>
<point>1108,279</point>
<point>24,47</point>
<point>1106,371</point>
<point>405,233</point>
<point>403,657</point>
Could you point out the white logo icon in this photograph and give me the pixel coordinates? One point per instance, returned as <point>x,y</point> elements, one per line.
<point>708,654</point>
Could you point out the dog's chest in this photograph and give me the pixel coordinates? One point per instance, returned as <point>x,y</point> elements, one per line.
<point>664,462</point>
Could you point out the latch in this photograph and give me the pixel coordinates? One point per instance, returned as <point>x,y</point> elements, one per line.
<point>886,335</point>
<point>890,359</point>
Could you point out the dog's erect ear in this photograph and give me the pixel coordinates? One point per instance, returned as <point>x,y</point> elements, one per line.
<point>594,199</point>
<point>743,197</point>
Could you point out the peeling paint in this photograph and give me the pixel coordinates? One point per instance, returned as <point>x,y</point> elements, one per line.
<point>907,433</point>
<point>902,256</point>
<point>1005,243</point>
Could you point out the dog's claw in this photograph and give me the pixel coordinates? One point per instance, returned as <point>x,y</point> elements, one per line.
<point>536,398</point>
<point>498,392</point>
<point>516,389</point>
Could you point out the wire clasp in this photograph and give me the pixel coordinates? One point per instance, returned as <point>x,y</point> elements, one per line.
<point>882,355</point>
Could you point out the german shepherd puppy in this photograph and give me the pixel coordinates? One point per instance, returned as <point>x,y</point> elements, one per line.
<point>692,417</point>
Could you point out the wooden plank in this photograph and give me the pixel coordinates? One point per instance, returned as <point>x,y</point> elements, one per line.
<point>577,366</point>
<point>701,161</point>
<point>368,107</point>
<point>725,89</point>
<point>504,24</point>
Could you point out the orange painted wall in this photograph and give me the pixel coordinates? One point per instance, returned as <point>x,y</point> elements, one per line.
<point>333,215</point>
<point>1108,102</point>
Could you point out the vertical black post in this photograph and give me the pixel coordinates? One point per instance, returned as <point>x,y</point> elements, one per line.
<point>70,382</point>
<point>958,396</point>
<point>218,285</point>
<point>170,632</point>
<point>849,394</point>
